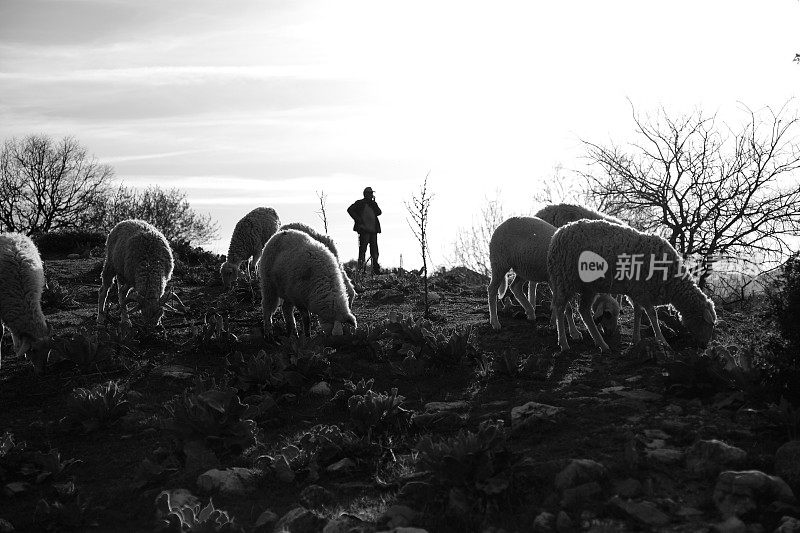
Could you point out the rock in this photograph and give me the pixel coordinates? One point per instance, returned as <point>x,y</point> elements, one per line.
<point>579,496</point>
<point>628,488</point>
<point>282,470</point>
<point>639,394</point>
<point>174,499</point>
<point>173,371</point>
<point>321,389</point>
<point>434,298</point>
<point>738,493</point>
<point>15,488</point>
<point>787,463</point>
<point>315,496</point>
<point>435,407</point>
<point>417,492</point>
<point>397,516</point>
<point>665,456</point>
<point>300,520</point>
<point>457,504</point>
<point>578,472</point>
<point>234,481</point>
<point>342,466</point>
<point>731,525</point>
<point>73,256</point>
<point>6,526</point>
<point>563,522</point>
<point>544,523</point>
<point>644,511</point>
<point>655,434</point>
<point>674,410</point>
<point>532,414</point>
<point>345,523</point>
<point>199,458</point>
<point>710,457</point>
<point>789,524</point>
<point>265,522</point>
<point>389,296</point>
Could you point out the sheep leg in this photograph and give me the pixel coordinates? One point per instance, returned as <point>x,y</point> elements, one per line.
<point>122,293</point>
<point>532,293</point>
<point>288,317</point>
<point>305,318</point>
<point>559,307</point>
<point>637,323</point>
<point>573,329</point>
<point>494,285</point>
<point>585,309</point>
<point>269,303</point>
<point>106,278</point>
<point>522,298</point>
<point>652,314</point>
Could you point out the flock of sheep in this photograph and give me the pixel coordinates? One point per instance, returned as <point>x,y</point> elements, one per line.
<point>300,268</point>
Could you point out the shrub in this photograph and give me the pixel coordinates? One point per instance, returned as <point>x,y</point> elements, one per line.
<point>189,254</point>
<point>785,300</point>
<point>69,241</point>
<point>195,518</point>
<point>97,407</point>
<point>83,349</point>
<point>378,413</point>
<point>56,296</point>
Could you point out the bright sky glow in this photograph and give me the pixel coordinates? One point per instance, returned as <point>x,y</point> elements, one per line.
<point>254,103</point>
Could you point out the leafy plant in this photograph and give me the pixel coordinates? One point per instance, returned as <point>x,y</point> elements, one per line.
<point>51,465</point>
<point>83,349</point>
<point>785,414</point>
<point>376,412</point>
<point>56,296</point>
<point>97,407</point>
<point>467,460</point>
<point>263,371</point>
<point>197,519</point>
<point>448,351</point>
<point>733,366</point>
<point>214,416</point>
<point>70,512</point>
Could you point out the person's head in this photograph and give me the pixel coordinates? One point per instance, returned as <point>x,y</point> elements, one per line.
<point>369,193</point>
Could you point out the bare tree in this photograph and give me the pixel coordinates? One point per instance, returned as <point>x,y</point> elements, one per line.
<point>322,213</point>
<point>47,184</point>
<point>710,191</point>
<point>418,209</point>
<point>471,248</point>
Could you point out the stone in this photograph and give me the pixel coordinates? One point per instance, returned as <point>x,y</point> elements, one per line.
<point>579,496</point>
<point>346,523</point>
<point>457,504</point>
<point>639,394</point>
<point>320,389</point>
<point>578,472</point>
<point>73,256</point>
<point>435,407</point>
<point>710,457</point>
<point>532,414</point>
<point>788,524</point>
<point>628,488</point>
<point>341,466</point>
<point>199,458</point>
<point>174,499</point>
<point>544,522</point>
<point>674,410</point>
<point>655,434</point>
<point>236,481</point>
<point>15,488</point>
<point>645,512</point>
<point>689,512</point>
<point>665,456</point>
<point>316,496</point>
<point>300,520</point>
<point>731,525</point>
<point>6,526</point>
<point>282,470</point>
<point>265,522</point>
<point>174,371</point>
<point>418,492</point>
<point>397,516</point>
<point>434,298</point>
<point>739,493</point>
<point>787,463</point>
<point>563,522</point>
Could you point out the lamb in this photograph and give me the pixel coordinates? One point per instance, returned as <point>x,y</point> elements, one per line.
<point>306,275</point>
<point>329,244</point>
<point>249,237</point>
<point>520,244</point>
<point>140,258</point>
<point>661,278</point>
<point>21,286</point>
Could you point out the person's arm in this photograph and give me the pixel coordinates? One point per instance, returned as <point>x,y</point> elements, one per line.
<point>353,212</point>
<point>375,208</point>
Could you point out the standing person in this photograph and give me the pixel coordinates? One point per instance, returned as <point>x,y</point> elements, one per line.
<point>365,213</point>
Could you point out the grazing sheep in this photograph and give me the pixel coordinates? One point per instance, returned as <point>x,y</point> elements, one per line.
<point>561,214</point>
<point>139,256</point>
<point>520,244</point>
<point>249,237</point>
<point>306,275</point>
<point>329,244</point>
<point>605,312</point>
<point>21,285</point>
<point>615,244</point>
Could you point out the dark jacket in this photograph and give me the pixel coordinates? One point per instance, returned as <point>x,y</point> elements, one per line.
<point>357,208</point>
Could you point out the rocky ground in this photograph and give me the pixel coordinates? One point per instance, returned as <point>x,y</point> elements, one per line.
<point>405,425</point>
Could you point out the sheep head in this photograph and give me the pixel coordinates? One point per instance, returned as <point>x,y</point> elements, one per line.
<point>152,308</point>
<point>336,327</point>
<point>37,349</point>
<point>701,323</point>
<point>606,312</point>
<point>229,272</point>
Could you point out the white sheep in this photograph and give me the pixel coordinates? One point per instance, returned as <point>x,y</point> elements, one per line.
<point>520,244</point>
<point>329,244</point>
<point>306,275</point>
<point>140,257</point>
<point>247,241</point>
<point>617,246</point>
<point>21,286</point>
<point>561,214</point>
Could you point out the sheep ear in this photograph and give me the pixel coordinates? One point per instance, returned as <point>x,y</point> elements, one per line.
<point>708,315</point>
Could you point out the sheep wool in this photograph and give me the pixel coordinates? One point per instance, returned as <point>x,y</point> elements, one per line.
<point>303,273</point>
<point>21,286</point>
<point>329,244</point>
<point>560,214</point>
<point>140,258</point>
<point>520,244</point>
<point>249,237</point>
<point>618,259</point>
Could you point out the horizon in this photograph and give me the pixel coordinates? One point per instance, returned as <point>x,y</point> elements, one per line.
<point>268,104</point>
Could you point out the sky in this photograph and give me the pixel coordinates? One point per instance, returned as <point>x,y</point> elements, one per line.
<point>264,103</point>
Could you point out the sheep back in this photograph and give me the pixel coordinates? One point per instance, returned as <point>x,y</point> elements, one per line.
<point>21,286</point>
<point>521,243</point>
<point>561,214</point>
<point>251,234</point>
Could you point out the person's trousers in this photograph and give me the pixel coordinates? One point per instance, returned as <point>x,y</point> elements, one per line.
<point>365,238</point>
